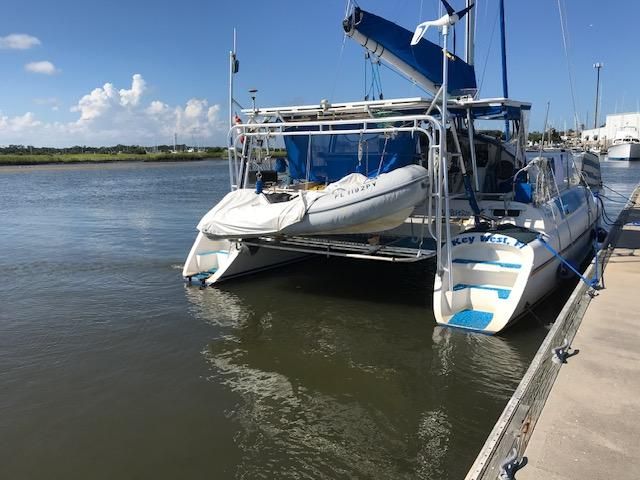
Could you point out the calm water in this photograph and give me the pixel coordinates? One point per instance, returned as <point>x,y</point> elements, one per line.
<point>111,367</point>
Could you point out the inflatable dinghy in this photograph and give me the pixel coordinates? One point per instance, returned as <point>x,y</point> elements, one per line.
<point>353,204</point>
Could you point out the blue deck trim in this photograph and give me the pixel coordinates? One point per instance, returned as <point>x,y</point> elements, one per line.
<point>515,266</point>
<point>503,293</point>
<point>212,252</point>
<point>204,275</point>
<point>473,319</point>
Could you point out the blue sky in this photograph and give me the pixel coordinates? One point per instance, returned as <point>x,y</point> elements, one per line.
<point>69,78</point>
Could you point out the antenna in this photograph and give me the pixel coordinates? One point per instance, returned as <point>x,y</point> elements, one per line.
<point>253,92</point>
<point>234,66</point>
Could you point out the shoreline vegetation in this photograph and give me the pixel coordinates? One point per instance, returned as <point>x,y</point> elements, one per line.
<point>77,158</point>
<point>24,159</point>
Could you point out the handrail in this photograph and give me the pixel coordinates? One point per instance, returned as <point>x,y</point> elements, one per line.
<point>434,131</point>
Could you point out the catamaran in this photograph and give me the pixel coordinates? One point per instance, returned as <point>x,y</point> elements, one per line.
<point>404,180</point>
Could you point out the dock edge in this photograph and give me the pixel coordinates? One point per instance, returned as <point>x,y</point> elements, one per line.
<point>518,419</point>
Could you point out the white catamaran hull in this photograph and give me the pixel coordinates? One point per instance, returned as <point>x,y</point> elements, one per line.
<point>624,151</point>
<point>213,261</point>
<point>352,205</point>
<point>497,275</point>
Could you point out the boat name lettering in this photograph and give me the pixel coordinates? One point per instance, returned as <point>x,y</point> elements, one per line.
<point>459,241</point>
<point>488,239</point>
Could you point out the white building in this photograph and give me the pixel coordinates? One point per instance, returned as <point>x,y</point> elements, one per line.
<point>603,136</point>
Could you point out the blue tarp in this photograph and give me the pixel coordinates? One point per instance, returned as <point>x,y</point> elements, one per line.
<point>335,156</point>
<point>491,112</point>
<point>425,57</point>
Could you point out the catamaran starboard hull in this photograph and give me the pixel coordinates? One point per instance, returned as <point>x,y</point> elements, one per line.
<point>496,278</point>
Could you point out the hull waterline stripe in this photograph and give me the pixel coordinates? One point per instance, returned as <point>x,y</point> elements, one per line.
<point>515,266</point>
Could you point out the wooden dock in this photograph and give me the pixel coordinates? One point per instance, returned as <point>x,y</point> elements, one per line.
<point>590,424</point>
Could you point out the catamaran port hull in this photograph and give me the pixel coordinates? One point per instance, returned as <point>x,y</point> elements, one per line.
<point>213,261</point>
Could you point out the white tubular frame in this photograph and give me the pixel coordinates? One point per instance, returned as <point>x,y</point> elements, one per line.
<point>240,158</point>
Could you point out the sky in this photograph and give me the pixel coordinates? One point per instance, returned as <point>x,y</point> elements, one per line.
<point>134,72</point>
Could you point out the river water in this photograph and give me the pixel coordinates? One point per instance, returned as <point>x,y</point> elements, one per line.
<point>111,367</point>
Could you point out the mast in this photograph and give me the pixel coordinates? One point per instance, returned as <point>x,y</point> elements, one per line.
<point>598,66</point>
<point>470,34</point>
<point>505,85</point>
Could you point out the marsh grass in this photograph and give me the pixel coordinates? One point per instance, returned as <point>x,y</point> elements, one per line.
<point>20,159</point>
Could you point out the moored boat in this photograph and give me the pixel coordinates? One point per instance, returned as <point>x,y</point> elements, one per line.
<point>626,146</point>
<point>406,180</point>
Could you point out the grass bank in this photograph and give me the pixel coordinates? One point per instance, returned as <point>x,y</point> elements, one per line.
<point>19,159</point>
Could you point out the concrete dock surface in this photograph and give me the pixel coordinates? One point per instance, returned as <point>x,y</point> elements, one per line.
<point>590,424</point>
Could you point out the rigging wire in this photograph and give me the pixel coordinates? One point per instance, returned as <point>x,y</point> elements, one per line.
<point>405,77</point>
<point>618,193</point>
<point>486,58</point>
<point>347,8</point>
<point>373,89</point>
<point>613,200</point>
<point>563,25</point>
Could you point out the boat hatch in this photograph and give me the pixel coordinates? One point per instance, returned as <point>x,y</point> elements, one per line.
<point>501,212</point>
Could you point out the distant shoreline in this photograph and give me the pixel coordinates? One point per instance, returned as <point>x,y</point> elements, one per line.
<point>20,160</point>
<point>95,158</point>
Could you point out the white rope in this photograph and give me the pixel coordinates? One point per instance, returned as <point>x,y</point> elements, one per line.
<point>341,54</point>
<point>486,58</point>
<point>384,149</point>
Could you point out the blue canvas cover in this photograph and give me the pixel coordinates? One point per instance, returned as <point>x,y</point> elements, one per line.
<point>335,156</point>
<point>425,57</point>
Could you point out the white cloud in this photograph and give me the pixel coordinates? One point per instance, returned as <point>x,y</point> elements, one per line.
<point>45,67</point>
<point>212,113</point>
<point>132,96</point>
<point>18,41</point>
<point>19,123</point>
<point>96,103</point>
<point>52,102</point>
<point>108,115</point>
<point>157,108</point>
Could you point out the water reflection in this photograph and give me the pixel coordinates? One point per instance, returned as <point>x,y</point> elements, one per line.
<point>481,360</point>
<point>336,380</point>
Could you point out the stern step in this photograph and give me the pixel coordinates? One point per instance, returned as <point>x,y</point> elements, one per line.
<point>202,276</point>
<point>503,293</point>
<point>471,319</point>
